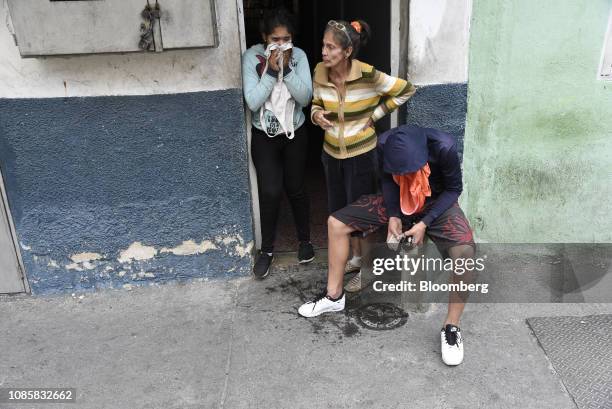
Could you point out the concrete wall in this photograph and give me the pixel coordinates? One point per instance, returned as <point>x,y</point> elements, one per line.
<point>437,63</point>
<point>538,153</point>
<point>117,167</point>
<point>123,74</point>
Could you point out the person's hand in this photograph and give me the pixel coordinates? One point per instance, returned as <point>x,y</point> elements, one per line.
<point>417,232</point>
<point>287,57</point>
<point>394,230</point>
<point>319,118</point>
<point>369,124</point>
<point>273,60</point>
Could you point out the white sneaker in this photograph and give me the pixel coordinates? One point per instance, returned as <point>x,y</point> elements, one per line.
<point>320,305</point>
<point>351,268</point>
<point>452,345</point>
<point>354,284</point>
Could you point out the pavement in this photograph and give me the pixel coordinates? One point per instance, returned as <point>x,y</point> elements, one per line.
<point>241,344</point>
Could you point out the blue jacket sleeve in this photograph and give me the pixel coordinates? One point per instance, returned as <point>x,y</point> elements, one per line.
<point>390,189</point>
<point>298,80</point>
<point>256,90</point>
<point>453,185</point>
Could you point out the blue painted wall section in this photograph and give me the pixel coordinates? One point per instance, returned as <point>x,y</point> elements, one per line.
<point>98,174</point>
<point>442,107</point>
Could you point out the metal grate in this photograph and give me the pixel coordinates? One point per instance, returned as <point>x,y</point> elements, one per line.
<point>580,349</point>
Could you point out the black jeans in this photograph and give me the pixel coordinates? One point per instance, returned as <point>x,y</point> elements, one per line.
<point>281,164</point>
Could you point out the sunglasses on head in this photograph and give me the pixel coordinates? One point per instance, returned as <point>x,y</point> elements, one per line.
<point>341,27</point>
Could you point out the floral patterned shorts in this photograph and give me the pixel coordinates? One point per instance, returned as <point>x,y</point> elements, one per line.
<point>368,214</point>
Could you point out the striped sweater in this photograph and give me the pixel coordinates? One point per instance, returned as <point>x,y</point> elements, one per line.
<point>369,94</point>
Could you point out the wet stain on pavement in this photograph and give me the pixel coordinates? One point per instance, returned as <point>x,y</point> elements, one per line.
<point>357,315</point>
<point>350,329</point>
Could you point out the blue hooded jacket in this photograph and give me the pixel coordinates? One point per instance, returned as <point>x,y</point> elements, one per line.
<point>406,149</point>
<point>258,85</point>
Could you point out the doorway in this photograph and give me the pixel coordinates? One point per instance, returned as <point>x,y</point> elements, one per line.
<point>12,279</point>
<point>311,19</point>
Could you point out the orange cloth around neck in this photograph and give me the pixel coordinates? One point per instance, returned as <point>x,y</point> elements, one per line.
<point>414,188</point>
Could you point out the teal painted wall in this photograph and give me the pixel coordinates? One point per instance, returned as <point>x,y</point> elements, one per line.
<point>538,143</point>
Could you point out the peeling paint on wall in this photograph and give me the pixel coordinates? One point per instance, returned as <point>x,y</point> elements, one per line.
<point>83,257</point>
<point>137,251</point>
<point>190,247</point>
<point>241,248</point>
<point>244,250</point>
<point>204,230</point>
<point>86,265</point>
<point>139,264</point>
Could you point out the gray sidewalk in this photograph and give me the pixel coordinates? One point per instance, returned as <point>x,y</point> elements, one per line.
<point>240,344</point>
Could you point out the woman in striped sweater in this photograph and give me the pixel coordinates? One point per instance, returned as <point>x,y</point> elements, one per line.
<point>348,97</point>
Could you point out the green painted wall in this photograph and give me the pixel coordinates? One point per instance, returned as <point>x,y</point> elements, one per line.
<point>538,142</point>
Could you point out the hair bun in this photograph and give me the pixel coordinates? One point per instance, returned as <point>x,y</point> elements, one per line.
<point>364,31</point>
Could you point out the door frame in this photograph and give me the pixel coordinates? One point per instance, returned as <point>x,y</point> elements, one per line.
<point>247,127</point>
<point>400,21</point>
<point>399,68</point>
<point>4,206</point>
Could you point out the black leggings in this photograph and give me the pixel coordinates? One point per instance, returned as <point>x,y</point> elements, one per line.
<point>281,163</point>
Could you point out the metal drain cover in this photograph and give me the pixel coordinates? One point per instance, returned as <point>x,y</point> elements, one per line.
<point>579,350</point>
<point>381,316</point>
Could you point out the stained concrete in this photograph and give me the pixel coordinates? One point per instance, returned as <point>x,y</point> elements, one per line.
<point>240,344</point>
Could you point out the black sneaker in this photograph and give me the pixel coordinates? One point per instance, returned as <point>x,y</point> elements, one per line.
<point>305,253</point>
<point>261,269</point>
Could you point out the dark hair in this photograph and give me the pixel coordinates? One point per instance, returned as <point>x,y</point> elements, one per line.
<point>277,18</point>
<point>358,40</point>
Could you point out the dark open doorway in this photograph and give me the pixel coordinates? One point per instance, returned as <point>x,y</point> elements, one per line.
<point>312,17</point>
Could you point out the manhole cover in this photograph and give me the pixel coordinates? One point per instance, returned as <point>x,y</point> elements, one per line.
<point>381,316</point>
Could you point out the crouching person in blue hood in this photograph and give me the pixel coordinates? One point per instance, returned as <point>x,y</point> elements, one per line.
<point>421,182</point>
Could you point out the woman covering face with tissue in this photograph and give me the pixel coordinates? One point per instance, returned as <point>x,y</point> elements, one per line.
<point>277,85</point>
